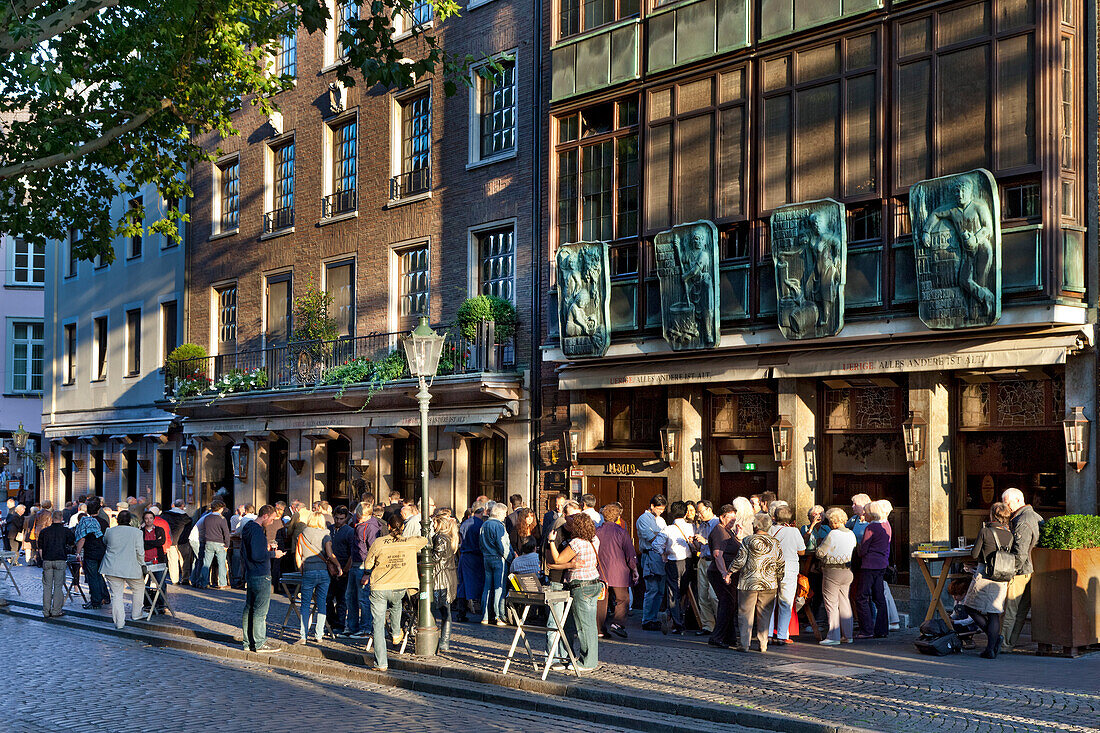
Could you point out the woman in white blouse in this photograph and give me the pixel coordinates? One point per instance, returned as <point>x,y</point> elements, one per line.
<point>835,554</point>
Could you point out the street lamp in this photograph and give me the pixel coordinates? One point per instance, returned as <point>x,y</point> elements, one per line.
<point>422,350</point>
<point>781,440</point>
<point>914,432</point>
<point>19,437</point>
<point>1076,427</point>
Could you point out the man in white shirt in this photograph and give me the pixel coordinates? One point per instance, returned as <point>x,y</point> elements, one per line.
<point>705,595</point>
<point>675,543</point>
<point>649,525</point>
<point>589,501</point>
<point>792,546</point>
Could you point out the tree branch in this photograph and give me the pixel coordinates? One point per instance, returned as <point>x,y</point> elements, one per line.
<point>30,166</point>
<point>54,25</point>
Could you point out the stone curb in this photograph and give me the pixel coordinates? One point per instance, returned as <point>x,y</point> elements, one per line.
<point>315,660</point>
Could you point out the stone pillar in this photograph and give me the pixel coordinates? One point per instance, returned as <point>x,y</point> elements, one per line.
<point>317,465</point>
<point>383,470</point>
<point>259,456</point>
<point>518,436</point>
<point>459,457</point>
<point>930,484</point>
<point>798,482</point>
<point>1081,489</point>
<point>685,411</point>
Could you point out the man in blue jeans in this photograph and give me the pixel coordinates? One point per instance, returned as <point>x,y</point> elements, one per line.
<point>214,536</point>
<point>368,528</point>
<point>391,561</point>
<point>256,556</point>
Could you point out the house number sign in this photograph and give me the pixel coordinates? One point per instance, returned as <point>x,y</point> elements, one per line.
<point>622,469</point>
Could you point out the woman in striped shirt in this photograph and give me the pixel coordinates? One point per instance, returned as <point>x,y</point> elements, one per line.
<point>579,557</point>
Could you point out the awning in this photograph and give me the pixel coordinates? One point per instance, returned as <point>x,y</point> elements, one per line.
<point>341,421</point>
<point>945,355</point>
<point>103,430</point>
<point>666,371</point>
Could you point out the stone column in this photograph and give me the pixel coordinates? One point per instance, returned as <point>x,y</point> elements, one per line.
<point>1081,489</point>
<point>685,411</point>
<point>798,481</point>
<point>930,484</point>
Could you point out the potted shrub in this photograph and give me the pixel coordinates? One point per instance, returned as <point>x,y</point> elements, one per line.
<point>186,367</point>
<point>487,308</point>
<point>1065,587</point>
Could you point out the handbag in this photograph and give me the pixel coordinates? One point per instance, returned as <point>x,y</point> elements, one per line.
<point>333,567</point>
<point>1001,567</point>
<point>19,537</point>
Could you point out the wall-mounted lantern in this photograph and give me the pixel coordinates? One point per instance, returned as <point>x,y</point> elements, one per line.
<point>239,454</point>
<point>914,433</point>
<point>1076,427</point>
<point>782,437</point>
<point>670,444</point>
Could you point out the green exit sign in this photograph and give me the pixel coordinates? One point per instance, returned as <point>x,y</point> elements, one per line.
<point>748,466</point>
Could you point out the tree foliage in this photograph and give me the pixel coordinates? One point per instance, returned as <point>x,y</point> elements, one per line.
<point>101,97</point>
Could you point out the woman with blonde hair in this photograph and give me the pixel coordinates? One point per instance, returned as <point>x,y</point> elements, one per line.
<point>835,555</point>
<point>743,513</point>
<point>444,547</point>
<point>313,551</point>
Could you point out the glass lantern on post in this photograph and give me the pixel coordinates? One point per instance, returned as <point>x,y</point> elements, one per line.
<point>914,433</point>
<point>1076,428</point>
<point>782,438</point>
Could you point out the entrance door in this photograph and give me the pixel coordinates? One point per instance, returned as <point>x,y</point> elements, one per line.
<point>633,493</point>
<point>337,485</point>
<point>165,474</point>
<point>278,453</point>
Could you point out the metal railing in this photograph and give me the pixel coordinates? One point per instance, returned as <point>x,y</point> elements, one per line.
<point>312,364</point>
<point>338,203</point>
<point>410,183</point>
<point>279,219</point>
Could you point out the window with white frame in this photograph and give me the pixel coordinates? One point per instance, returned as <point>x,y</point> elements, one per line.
<point>28,265</point>
<point>496,112</point>
<point>496,252</point>
<point>412,284</point>
<point>27,346</point>
<point>71,264</point>
<point>340,284</point>
<point>281,215</point>
<point>70,353</point>
<point>173,203</point>
<point>135,241</point>
<point>346,12</point>
<point>417,17</point>
<point>229,195</point>
<point>99,332</point>
<point>225,302</point>
<point>133,342</point>
<point>345,168</point>
<point>415,125</point>
<point>286,60</point>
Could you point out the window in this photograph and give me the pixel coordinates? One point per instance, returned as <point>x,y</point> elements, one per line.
<point>230,191</point>
<point>133,342</point>
<point>277,329</point>
<point>575,16</point>
<point>488,474</point>
<point>70,353</point>
<point>28,263</point>
<point>344,169</point>
<point>597,187</point>
<point>74,240</point>
<point>99,330</point>
<point>173,203</point>
<point>635,416</point>
<point>130,472</point>
<point>496,257</point>
<point>169,328</point>
<point>281,215</point>
<point>347,11</point>
<point>412,288</point>
<point>417,17</point>
<point>340,284</point>
<point>226,307</point>
<point>496,111</point>
<point>27,347</point>
<point>416,148</point>
<point>286,60</point>
<point>137,206</point>
<point>1065,144</point>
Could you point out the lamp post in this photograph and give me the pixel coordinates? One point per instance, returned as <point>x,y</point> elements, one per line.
<point>19,440</point>
<point>422,350</point>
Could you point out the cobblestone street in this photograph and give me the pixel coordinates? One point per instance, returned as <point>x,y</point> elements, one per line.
<point>883,685</point>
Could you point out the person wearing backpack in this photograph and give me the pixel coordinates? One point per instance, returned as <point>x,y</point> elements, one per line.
<point>90,549</point>
<point>985,599</point>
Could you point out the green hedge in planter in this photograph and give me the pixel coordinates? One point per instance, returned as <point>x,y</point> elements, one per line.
<point>185,353</point>
<point>1071,532</point>
<point>487,308</point>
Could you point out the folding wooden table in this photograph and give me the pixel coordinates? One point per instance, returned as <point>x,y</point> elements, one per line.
<point>936,584</point>
<point>6,559</point>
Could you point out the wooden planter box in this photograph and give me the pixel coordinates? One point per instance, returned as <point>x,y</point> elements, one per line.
<point>1065,600</point>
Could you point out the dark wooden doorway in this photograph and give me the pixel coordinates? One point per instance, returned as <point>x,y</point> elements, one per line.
<point>166,473</point>
<point>278,453</point>
<point>337,483</point>
<point>632,492</point>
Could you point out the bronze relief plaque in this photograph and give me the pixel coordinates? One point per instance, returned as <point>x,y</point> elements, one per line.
<point>810,249</point>
<point>957,249</point>
<point>584,293</point>
<point>687,266</point>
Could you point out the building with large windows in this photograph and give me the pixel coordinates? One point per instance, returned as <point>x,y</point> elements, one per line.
<point>110,326</point>
<point>777,312</point>
<point>399,204</point>
<point>21,357</point>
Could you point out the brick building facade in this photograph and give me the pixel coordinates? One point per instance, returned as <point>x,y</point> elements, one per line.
<point>399,204</point>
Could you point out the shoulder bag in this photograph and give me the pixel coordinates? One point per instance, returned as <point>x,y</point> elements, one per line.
<point>1001,567</point>
<point>333,566</point>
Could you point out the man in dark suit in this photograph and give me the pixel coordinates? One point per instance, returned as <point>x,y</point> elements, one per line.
<point>179,528</point>
<point>551,517</point>
<point>516,501</point>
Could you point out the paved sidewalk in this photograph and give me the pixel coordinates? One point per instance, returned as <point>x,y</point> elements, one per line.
<point>881,685</point>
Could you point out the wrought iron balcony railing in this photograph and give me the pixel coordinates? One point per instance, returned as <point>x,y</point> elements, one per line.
<point>279,219</point>
<point>338,203</point>
<point>313,364</point>
<point>410,183</point>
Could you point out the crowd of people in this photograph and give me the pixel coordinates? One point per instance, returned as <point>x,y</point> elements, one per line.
<point>743,572</point>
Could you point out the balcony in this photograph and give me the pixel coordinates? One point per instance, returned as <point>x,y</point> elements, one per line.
<point>278,219</point>
<point>410,183</point>
<point>358,364</point>
<point>338,203</point>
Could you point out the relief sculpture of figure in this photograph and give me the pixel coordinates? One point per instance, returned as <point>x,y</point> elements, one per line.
<point>575,297</point>
<point>825,249</point>
<point>699,283</point>
<point>582,295</point>
<point>973,224</point>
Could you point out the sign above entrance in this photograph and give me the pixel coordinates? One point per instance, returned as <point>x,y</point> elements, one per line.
<point>622,469</point>
<point>810,251</point>
<point>957,249</point>
<point>687,265</point>
<point>584,294</point>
